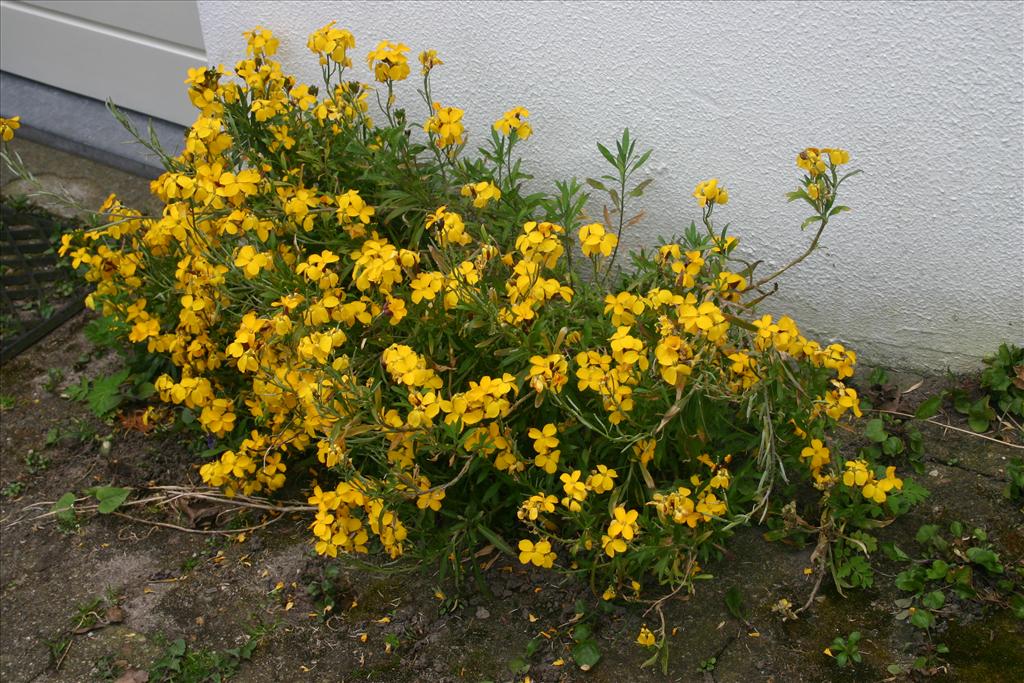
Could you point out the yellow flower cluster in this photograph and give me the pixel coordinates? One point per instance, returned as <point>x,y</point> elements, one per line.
<point>595,240</point>
<point>708,192</point>
<point>388,62</point>
<point>514,121</point>
<point>445,126</point>
<point>319,289</point>
<point>858,474</point>
<point>813,159</point>
<point>332,44</point>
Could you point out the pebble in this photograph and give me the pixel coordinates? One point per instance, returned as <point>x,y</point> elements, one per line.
<point>482,613</point>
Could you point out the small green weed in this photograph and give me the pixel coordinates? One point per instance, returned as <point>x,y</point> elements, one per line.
<point>182,664</point>
<point>36,463</point>
<point>708,665</point>
<point>845,650</point>
<point>1015,479</point>
<point>105,394</point>
<point>12,489</point>
<point>324,591</point>
<point>955,567</point>
<point>76,430</point>
<point>54,376</point>
<point>1004,379</point>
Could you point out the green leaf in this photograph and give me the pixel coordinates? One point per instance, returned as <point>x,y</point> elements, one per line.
<point>1017,605</point>
<point>642,160</point>
<point>979,415</point>
<point>607,155</point>
<point>518,665</point>
<point>838,209</point>
<point>938,570</point>
<point>734,603</point>
<point>892,445</point>
<point>893,552</point>
<point>497,540</point>
<point>586,654</point>
<point>875,430</point>
<point>986,558</point>
<point>911,580</point>
<point>978,423</point>
<point>934,600</point>
<point>144,391</point>
<point>581,633</point>
<point>808,221</point>
<point>926,533</point>
<point>639,189</point>
<point>109,497</point>
<point>923,619</point>
<point>930,407</point>
<point>64,508</point>
<point>596,184</point>
<point>105,393</point>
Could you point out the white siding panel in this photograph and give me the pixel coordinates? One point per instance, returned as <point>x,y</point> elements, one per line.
<point>175,21</point>
<point>138,72</point>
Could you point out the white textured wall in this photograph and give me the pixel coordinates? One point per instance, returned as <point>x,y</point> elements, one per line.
<point>928,271</point>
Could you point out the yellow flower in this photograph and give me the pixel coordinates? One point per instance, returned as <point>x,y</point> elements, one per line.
<point>544,439</point>
<point>535,505</point>
<point>261,42</point>
<point>575,490</point>
<point>428,60</point>
<point>643,450</point>
<point>514,121</point>
<point>602,480</point>
<point>8,126</point>
<point>538,553</point>
<point>595,240</point>
<point>645,638</point>
<point>388,61</point>
<point>548,372</point>
<point>613,545</point>
<point>482,193</point>
<point>428,499</point>
<point>837,156</point>
<point>446,126</point>
<point>811,161</point>
<point>332,44</point>
<point>818,454</point>
<point>624,524</point>
<point>708,192</point>
<point>624,307</point>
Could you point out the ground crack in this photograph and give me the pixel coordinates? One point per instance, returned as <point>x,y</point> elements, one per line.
<point>958,466</point>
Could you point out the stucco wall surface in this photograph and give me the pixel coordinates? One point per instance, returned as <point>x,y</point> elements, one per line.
<point>926,272</point>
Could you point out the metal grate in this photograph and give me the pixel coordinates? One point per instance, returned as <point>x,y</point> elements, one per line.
<point>38,292</point>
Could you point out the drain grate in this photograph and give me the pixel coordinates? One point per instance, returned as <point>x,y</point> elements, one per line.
<point>39,292</point>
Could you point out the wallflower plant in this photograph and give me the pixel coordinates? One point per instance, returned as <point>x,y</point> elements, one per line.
<point>351,302</point>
